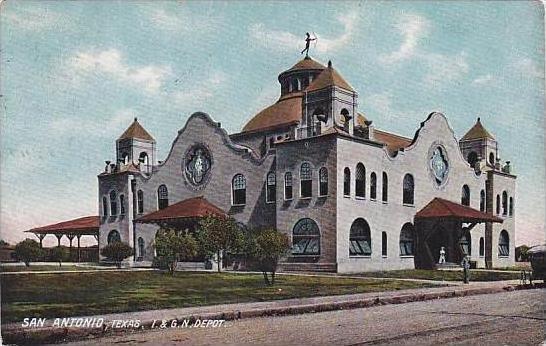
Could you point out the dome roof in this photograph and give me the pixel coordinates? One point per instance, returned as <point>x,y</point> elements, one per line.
<point>306,64</point>
<point>287,110</point>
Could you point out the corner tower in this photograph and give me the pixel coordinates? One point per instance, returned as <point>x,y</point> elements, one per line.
<point>329,101</point>
<point>479,147</point>
<point>136,146</point>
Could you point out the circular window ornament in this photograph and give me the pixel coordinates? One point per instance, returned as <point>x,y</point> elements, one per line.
<point>438,164</point>
<point>197,165</point>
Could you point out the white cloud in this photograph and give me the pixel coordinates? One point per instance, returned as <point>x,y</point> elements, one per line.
<point>528,68</point>
<point>31,18</point>
<point>412,28</point>
<point>283,40</point>
<point>115,126</point>
<point>481,80</point>
<point>444,68</point>
<point>199,92</point>
<point>149,77</point>
<point>380,103</point>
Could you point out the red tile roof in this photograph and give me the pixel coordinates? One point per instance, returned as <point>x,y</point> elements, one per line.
<point>190,208</point>
<point>136,131</point>
<point>84,225</point>
<point>287,110</point>
<point>393,141</point>
<point>329,77</point>
<point>306,64</point>
<point>442,208</point>
<point>477,132</point>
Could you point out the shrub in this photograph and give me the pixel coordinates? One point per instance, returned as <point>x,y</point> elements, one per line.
<point>59,254</point>
<point>28,250</point>
<point>117,251</point>
<point>266,249</point>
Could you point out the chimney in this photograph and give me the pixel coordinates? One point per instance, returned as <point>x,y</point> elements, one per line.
<point>368,130</point>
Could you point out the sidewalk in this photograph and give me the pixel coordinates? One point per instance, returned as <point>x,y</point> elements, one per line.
<point>14,333</point>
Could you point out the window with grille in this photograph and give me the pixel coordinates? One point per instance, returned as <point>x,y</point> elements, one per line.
<point>238,186</point>
<point>323,181</point>
<point>306,180</point>
<point>271,191</point>
<point>288,186</point>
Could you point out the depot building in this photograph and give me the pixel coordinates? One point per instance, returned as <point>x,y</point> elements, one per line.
<point>350,196</point>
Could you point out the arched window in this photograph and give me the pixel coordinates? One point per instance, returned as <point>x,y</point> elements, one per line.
<point>466,244</point>
<point>162,197</point>
<point>345,114</point>
<point>288,186</point>
<point>373,186</point>
<point>121,204</point>
<point>406,240</point>
<point>104,206</point>
<point>113,236</point>
<point>238,188</point>
<point>271,191</point>
<point>141,253</point>
<point>143,158</point>
<point>295,84</point>
<point>306,180</point>
<point>323,181</point>
<point>360,242</point>
<point>511,207</point>
<point>472,158</point>
<point>306,238</point>
<point>408,190</point>
<point>360,184</point>
<point>140,201</point>
<point>482,200</point>
<point>504,243</point>
<point>504,203</point>
<point>385,185</point>
<point>384,244</point>
<point>346,182</point>
<point>482,247</point>
<point>498,205</point>
<point>465,195</point>
<point>113,203</point>
<point>125,158</point>
<point>491,159</point>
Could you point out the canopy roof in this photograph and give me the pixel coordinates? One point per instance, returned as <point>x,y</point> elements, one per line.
<point>87,225</point>
<point>442,208</point>
<point>191,208</point>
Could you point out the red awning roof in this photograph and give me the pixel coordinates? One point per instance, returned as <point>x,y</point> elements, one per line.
<point>190,208</point>
<point>82,225</point>
<point>442,208</point>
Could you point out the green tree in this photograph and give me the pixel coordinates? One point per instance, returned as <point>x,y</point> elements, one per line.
<point>172,247</point>
<point>219,235</point>
<point>59,254</point>
<point>267,248</point>
<point>3,242</point>
<point>117,251</point>
<point>28,250</point>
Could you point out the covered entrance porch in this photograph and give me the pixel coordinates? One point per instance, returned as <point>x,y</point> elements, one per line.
<point>184,216</point>
<point>448,225</point>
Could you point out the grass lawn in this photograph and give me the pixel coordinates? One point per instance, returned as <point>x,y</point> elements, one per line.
<point>48,267</point>
<point>78,294</point>
<point>446,275</point>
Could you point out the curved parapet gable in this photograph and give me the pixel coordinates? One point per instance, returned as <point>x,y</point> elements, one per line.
<point>216,128</point>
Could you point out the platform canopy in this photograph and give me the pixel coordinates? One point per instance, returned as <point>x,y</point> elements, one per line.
<point>184,212</point>
<point>448,210</point>
<point>87,225</point>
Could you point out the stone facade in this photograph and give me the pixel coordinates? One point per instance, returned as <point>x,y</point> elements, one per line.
<point>340,143</point>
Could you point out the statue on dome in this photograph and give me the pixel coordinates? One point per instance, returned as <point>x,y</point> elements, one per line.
<point>308,40</point>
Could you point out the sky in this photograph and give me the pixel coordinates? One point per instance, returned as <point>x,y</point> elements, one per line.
<point>73,75</point>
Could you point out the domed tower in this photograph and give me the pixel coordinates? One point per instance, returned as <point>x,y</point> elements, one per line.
<point>479,147</point>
